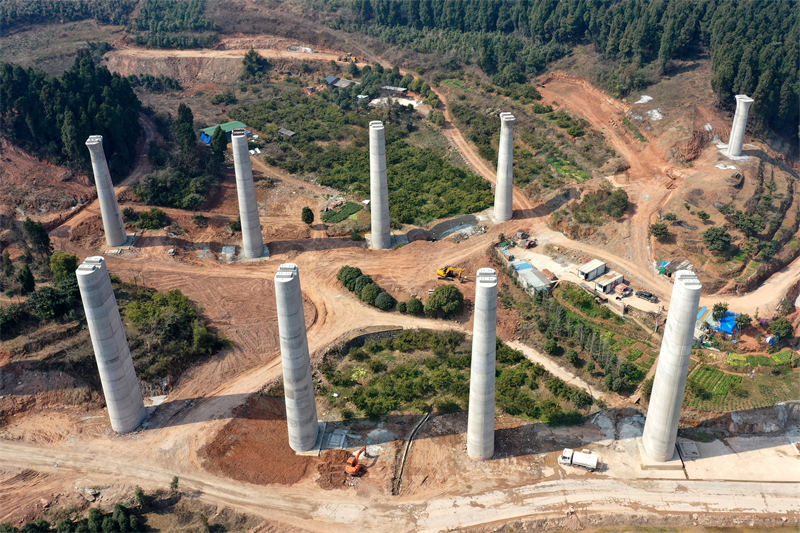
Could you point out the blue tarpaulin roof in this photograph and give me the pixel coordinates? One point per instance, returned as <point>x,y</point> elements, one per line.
<point>727,323</point>
<point>701,311</point>
<point>520,265</point>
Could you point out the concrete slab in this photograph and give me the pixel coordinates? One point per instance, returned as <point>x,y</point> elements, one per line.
<point>688,449</point>
<point>746,458</point>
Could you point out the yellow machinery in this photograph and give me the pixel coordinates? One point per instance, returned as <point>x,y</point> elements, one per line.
<point>450,272</point>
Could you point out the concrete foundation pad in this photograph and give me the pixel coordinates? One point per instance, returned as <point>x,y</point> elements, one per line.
<point>645,463</point>
<point>315,451</point>
<point>130,241</point>
<point>397,240</point>
<point>264,255</point>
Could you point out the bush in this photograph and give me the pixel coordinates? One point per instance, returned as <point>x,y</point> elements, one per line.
<point>236,225</point>
<point>717,239</point>
<point>445,301</point>
<point>384,301</point>
<point>129,214</point>
<point>369,293</point>
<point>307,215</point>
<point>573,358</point>
<point>659,231</point>
<point>401,306</point>
<point>155,218</point>
<point>447,406</point>
<point>361,282</point>
<point>414,306</point>
<point>63,265</point>
<point>552,347</point>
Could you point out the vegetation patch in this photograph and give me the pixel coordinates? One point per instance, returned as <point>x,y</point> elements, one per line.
<point>424,370</point>
<point>343,213</point>
<point>633,129</point>
<point>331,144</point>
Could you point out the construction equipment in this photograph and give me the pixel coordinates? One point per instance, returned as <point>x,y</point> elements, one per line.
<point>450,272</point>
<point>352,466</point>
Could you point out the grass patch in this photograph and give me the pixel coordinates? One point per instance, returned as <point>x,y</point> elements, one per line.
<point>455,83</point>
<point>567,169</point>
<point>337,215</point>
<point>740,359</point>
<point>636,133</point>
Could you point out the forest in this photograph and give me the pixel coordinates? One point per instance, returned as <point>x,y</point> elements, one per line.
<point>753,45</point>
<point>19,12</point>
<point>173,24</point>
<point>53,116</point>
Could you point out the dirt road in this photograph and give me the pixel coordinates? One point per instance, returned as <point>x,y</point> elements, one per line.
<point>345,511</point>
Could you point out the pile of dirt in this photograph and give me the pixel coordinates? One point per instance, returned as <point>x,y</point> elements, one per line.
<point>254,446</point>
<point>331,469</point>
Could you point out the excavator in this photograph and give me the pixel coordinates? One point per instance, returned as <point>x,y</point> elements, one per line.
<point>352,466</point>
<point>450,272</point>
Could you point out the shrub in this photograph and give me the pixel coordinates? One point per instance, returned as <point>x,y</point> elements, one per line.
<point>401,306</point>
<point>384,301</point>
<point>307,215</point>
<point>355,236</point>
<point>659,231</point>
<point>236,225</point>
<point>573,358</point>
<point>445,301</point>
<point>361,282</point>
<point>552,347</point>
<point>369,293</point>
<point>447,406</point>
<point>782,327</point>
<point>414,306</point>
<point>63,265</point>
<point>129,214</point>
<point>155,218</point>
<point>717,239</point>
<point>200,221</point>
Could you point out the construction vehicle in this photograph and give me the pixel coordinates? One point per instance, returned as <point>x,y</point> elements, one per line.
<point>352,466</point>
<point>450,272</point>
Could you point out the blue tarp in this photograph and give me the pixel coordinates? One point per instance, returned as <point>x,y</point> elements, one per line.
<point>662,264</point>
<point>727,323</point>
<point>700,312</point>
<point>505,251</point>
<point>520,265</point>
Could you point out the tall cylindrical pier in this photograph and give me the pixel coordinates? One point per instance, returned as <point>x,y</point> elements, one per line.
<point>252,242</point>
<point>736,140</point>
<point>666,398</point>
<point>298,387</point>
<point>504,188</point>
<point>120,384</point>
<point>113,225</point>
<point>378,188</point>
<point>480,421</point>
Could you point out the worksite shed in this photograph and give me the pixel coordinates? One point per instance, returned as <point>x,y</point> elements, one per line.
<point>228,127</point>
<point>607,282</point>
<point>591,270</point>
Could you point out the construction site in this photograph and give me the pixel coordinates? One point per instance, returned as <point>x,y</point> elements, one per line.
<point>514,368</point>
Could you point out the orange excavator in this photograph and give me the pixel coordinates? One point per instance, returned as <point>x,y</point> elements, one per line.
<point>352,466</point>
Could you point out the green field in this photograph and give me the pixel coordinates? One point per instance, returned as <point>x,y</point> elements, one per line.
<point>337,215</point>
<point>711,389</point>
<point>740,359</point>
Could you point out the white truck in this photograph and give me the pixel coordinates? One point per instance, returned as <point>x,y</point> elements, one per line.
<point>585,459</point>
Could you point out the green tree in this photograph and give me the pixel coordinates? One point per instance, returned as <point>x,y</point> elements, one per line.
<point>717,239</point>
<point>307,215</point>
<point>445,301</point>
<point>352,70</point>
<point>184,127</point>
<point>659,231</point>
<point>782,328</point>
<point>414,306</point>
<point>25,279</point>
<point>36,235</point>
<point>63,265</point>
<point>702,215</point>
<point>219,143</point>
<point>369,293</point>
<point>384,301</point>
<point>743,320</point>
<point>647,388</point>
<point>719,310</point>
<point>672,217</point>
<point>173,486</point>
<point>69,136</point>
<point>8,265</point>
<point>254,65</point>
